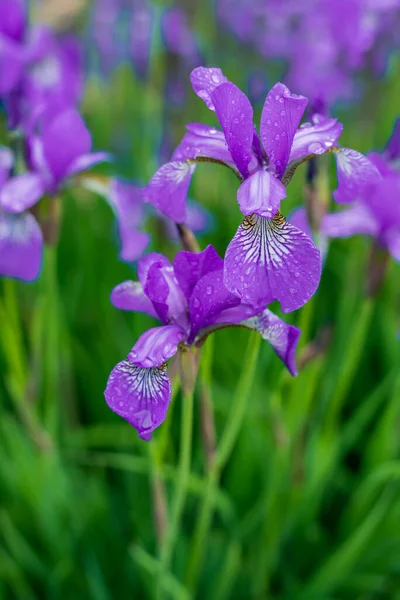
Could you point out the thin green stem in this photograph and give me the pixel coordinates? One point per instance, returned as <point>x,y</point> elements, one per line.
<point>181,490</point>
<point>222,455</point>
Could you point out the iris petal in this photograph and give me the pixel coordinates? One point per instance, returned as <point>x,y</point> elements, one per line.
<point>271,259</point>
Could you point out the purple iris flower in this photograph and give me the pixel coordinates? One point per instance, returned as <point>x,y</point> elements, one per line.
<point>61,151</point>
<point>268,259</point>
<point>191,301</point>
<point>377,211</point>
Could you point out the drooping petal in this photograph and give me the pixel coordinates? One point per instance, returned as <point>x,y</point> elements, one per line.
<point>282,337</point>
<point>352,221</point>
<point>140,396</point>
<point>204,81</point>
<point>280,118</point>
<point>87,161</point>
<point>209,298</point>
<point>6,163</point>
<point>127,202</point>
<point>129,295</point>
<point>65,139</point>
<point>261,193</point>
<point>189,267</point>
<point>391,240</point>
<point>156,346</point>
<point>354,172</point>
<point>21,192</point>
<point>270,259</point>
<point>235,114</point>
<point>316,138</point>
<point>21,246</point>
<point>168,189</point>
<point>202,140</point>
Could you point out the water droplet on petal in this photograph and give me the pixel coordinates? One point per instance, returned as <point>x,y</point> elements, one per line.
<point>196,302</point>
<point>209,290</point>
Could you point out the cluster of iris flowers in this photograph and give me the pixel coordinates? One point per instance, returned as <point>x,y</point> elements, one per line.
<point>270,258</point>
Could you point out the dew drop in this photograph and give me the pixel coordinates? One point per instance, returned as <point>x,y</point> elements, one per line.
<point>209,290</point>
<point>196,302</point>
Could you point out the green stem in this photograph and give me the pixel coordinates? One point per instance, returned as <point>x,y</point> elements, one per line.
<point>222,455</point>
<point>181,490</point>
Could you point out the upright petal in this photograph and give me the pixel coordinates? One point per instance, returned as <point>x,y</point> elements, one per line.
<point>235,114</point>
<point>202,140</point>
<point>316,138</point>
<point>209,298</point>
<point>383,200</point>
<point>147,261</point>
<point>65,139</point>
<point>156,346</point>
<point>21,246</point>
<point>282,337</point>
<point>261,193</point>
<point>163,289</point>
<point>270,259</point>
<point>352,221</point>
<point>140,396</point>
<point>189,267</point>
<point>204,81</point>
<point>129,295</point>
<point>280,118</point>
<point>21,192</point>
<point>168,189</point>
<point>355,172</point>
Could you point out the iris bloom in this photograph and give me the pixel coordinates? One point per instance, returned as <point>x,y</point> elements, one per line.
<point>62,150</point>
<point>39,71</point>
<point>268,259</point>
<point>191,301</point>
<point>376,212</point>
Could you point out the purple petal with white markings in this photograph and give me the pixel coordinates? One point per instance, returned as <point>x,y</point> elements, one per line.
<point>282,337</point>
<point>280,118</point>
<point>261,193</point>
<point>270,259</point>
<point>204,81</point>
<point>21,246</point>
<point>140,396</point>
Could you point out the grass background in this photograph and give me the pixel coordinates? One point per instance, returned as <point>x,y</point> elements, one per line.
<point>308,503</point>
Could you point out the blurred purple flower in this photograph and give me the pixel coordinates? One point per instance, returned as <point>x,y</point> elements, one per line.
<point>21,240</point>
<point>324,43</point>
<point>190,300</point>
